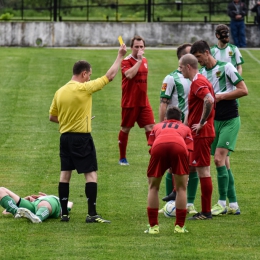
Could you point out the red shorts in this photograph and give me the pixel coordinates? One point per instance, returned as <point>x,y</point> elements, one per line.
<point>142,115</point>
<point>200,157</point>
<point>168,155</point>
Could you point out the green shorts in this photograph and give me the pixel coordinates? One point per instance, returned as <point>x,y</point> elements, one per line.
<point>226,134</point>
<point>32,206</point>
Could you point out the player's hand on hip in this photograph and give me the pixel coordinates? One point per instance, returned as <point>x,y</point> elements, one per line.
<point>197,127</point>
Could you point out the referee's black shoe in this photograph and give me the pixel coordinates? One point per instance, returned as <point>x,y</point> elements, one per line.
<point>169,197</point>
<point>96,219</point>
<point>65,218</point>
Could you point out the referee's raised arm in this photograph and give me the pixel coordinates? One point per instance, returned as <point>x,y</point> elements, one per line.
<point>111,73</point>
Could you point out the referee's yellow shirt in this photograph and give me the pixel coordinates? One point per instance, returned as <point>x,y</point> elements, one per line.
<point>72,104</point>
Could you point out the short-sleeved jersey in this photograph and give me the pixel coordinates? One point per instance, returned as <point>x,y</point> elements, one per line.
<point>72,104</point>
<point>199,88</point>
<point>33,205</point>
<point>134,91</point>
<point>171,131</point>
<point>54,202</point>
<point>228,54</point>
<point>224,77</point>
<point>176,88</point>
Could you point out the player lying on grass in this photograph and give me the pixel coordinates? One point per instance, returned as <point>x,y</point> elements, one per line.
<point>36,208</point>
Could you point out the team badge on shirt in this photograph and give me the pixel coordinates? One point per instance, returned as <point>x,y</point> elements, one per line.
<point>164,86</point>
<point>230,53</point>
<point>218,74</point>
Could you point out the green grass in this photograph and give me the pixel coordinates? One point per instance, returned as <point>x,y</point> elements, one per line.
<point>29,163</point>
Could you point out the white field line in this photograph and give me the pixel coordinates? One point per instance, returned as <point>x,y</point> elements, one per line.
<point>253,57</point>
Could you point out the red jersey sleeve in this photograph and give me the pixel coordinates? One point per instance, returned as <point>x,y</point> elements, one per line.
<point>189,142</point>
<point>200,89</point>
<point>125,65</point>
<point>151,138</point>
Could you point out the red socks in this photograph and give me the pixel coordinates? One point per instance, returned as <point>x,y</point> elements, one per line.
<point>180,217</point>
<point>152,216</point>
<point>122,142</point>
<point>206,194</point>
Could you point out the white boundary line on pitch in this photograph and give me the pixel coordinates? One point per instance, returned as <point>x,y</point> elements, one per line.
<point>253,57</point>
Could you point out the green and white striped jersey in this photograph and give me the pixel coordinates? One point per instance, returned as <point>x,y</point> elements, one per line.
<point>224,77</point>
<point>176,88</point>
<point>229,54</point>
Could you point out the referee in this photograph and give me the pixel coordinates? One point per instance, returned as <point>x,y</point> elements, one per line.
<point>71,108</point>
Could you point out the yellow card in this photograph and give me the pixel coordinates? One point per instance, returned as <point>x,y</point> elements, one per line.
<point>120,40</point>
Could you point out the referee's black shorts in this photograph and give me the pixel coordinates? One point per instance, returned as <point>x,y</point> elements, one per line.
<point>77,152</point>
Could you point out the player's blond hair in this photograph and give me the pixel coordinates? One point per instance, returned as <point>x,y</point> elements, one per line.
<point>189,59</point>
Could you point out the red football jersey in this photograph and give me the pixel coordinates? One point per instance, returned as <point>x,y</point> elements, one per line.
<point>134,91</point>
<point>199,88</point>
<point>171,131</point>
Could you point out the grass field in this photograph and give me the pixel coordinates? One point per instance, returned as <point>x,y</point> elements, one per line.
<point>29,162</point>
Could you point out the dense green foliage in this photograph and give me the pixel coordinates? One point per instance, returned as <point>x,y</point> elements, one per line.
<point>29,162</point>
<point>120,10</point>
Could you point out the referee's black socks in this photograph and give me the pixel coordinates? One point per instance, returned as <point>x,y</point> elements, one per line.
<point>64,189</point>
<point>91,194</point>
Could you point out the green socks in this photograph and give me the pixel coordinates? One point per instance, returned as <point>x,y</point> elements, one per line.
<point>192,187</point>
<point>223,180</point>
<point>168,183</point>
<point>9,204</point>
<point>42,213</point>
<point>231,194</point>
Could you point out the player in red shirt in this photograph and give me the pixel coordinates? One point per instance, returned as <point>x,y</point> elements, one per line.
<point>201,121</point>
<point>135,104</point>
<point>171,142</point>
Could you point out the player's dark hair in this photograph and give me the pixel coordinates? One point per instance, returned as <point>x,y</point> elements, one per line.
<point>136,38</point>
<point>173,113</point>
<point>181,50</point>
<point>200,47</point>
<point>222,32</point>
<point>221,27</point>
<point>80,66</point>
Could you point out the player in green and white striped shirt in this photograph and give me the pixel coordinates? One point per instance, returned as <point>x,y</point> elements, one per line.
<point>228,87</point>
<point>224,51</point>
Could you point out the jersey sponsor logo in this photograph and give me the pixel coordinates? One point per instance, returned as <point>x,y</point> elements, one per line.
<point>164,86</point>
<point>230,53</point>
<point>218,74</point>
